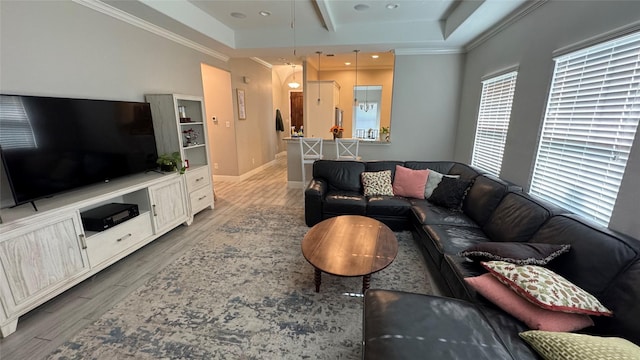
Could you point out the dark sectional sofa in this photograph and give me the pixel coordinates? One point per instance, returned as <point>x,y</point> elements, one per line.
<point>462,324</point>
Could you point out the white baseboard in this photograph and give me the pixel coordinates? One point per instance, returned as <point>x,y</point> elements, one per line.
<point>281,154</point>
<point>295,185</point>
<point>244,176</point>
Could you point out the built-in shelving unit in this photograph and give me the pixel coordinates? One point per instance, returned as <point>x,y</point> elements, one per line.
<point>174,116</point>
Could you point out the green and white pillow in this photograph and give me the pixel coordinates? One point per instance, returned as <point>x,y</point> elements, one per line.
<point>545,288</point>
<point>569,346</point>
<point>377,183</point>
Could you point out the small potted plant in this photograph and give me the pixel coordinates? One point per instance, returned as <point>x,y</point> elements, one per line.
<point>170,162</point>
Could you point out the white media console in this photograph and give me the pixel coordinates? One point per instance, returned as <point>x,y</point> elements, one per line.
<point>46,252</point>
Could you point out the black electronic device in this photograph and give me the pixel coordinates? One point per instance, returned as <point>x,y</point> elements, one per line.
<point>108,215</point>
<point>50,145</point>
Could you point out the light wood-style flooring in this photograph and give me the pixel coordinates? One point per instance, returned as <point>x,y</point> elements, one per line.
<point>47,327</point>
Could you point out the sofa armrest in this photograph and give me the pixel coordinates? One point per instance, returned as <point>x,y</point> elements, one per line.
<point>313,195</point>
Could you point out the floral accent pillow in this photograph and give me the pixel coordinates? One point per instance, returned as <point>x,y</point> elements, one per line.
<point>534,316</point>
<point>377,183</point>
<point>545,288</point>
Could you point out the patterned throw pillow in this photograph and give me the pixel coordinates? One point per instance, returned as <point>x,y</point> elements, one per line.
<point>534,316</point>
<point>450,192</point>
<point>515,252</point>
<point>569,346</point>
<point>545,288</point>
<point>377,183</point>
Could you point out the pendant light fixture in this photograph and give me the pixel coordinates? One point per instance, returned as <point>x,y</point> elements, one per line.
<point>294,84</point>
<point>355,88</point>
<point>319,53</point>
<point>366,106</point>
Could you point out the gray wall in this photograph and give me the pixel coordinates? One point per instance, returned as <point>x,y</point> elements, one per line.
<point>529,44</point>
<point>60,48</point>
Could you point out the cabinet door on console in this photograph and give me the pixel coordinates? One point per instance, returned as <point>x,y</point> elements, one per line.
<point>39,258</point>
<point>168,204</point>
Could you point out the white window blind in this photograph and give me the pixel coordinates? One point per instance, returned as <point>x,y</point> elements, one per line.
<point>15,128</point>
<point>493,122</point>
<point>590,123</point>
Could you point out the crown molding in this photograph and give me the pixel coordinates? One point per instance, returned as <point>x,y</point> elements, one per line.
<point>508,21</point>
<point>262,62</point>
<point>145,25</point>
<point>422,51</point>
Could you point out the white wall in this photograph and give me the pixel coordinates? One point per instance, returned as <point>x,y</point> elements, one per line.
<point>256,136</point>
<point>529,43</point>
<point>60,48</point>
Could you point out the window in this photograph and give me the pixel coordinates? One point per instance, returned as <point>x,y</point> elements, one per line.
<point>16,130</point>
<point>493,122</point>
<point>366,114</point>
<point>590,123</point>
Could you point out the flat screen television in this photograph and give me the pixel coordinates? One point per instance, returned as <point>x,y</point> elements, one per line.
<point>51,145</point>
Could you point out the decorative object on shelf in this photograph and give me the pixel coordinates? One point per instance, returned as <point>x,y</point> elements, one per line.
<point>170,162</point>
<point>336,131</point>
<point>190,137</point>
<point>182,114</point>
<point>242,111</point>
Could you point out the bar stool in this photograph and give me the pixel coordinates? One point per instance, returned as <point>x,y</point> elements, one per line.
<point>310,151</point>
<point>347,149</point>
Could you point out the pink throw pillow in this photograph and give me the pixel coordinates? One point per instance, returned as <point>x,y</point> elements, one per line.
<point>410,183</point>
<point>534,316</point>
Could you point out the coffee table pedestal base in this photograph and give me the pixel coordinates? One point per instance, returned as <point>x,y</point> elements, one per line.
<point>317,278</point>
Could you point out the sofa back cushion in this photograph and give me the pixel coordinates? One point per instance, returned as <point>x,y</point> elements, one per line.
<point>517,217</point>
<point>442,167</point>
<point>605,264</point>
<point>383,165</point>
<point>340,175</point>
<point>483,198</point>
<point>465,171</point>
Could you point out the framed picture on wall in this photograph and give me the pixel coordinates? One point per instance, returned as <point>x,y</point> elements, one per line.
<point>242,111</point>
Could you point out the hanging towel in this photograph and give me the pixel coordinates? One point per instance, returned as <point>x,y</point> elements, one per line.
<point>279,123</point>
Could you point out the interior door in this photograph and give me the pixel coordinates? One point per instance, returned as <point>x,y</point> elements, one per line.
<point>297,114</point>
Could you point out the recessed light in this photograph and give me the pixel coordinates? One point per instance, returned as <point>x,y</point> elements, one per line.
<point>361,7</point>
<point>375,56</point>
<point>392,6</point>
<point>347,63</point>
<point>264,13</point>
<point>238,15</point>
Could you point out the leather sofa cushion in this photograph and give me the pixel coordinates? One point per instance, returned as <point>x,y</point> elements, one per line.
<point>340,175</point>
<point>400,325</point>
<point>518,217</point>
<point>428,214</point>
<point>596,256</point>
<point>465,171</point>
<point>483,197</point>
<point>383,165</point>
<point>454,269</point>
<point>388,206</point>
<point>344,203</point>
<point>507,328</point>
<point>442,167</point>
<point>453,239</point>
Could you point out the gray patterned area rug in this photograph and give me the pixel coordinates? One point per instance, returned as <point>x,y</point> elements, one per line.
<point>244,292</point>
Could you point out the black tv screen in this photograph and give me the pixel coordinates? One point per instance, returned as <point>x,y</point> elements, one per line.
<point>50,145</point>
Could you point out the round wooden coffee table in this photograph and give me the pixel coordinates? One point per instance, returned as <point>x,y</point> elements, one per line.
<point>349,245</point>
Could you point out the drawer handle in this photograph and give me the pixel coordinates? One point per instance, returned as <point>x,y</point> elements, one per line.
<point>200,178</point>
<point>83,241</point>
<point>202,197</point>
<point>154,210</point>
<point>124,237</point>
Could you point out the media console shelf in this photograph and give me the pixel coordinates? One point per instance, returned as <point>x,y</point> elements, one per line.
<point>46,252</point>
